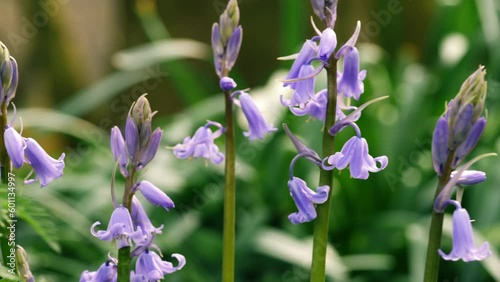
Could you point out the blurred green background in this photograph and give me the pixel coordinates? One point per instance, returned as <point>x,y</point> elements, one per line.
<point>82,63</point>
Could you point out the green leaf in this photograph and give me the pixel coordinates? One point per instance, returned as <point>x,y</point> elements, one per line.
<point>160,51</point>
<point>40,220</point>
<point>6,276</point>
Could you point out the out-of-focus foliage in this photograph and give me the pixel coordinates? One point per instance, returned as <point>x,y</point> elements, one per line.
<point>419,56</point>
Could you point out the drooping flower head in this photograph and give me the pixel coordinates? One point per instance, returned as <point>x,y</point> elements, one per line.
<point>150,266</point>
<point>350,81</point>
<point>141,220</point>
<point>46,168</point>
<point>256,124</point>
<point>355,155</point>
<point>305,199</point>
<point>463,239</point>
<point>201,145</point>
<point>15,146</point>
<point>107,272</point>
<point>120,229</point>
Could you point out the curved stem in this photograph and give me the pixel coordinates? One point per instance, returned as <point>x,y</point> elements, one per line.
<point>436,228</point>
<point>325,178</point>
<point>229,196</point>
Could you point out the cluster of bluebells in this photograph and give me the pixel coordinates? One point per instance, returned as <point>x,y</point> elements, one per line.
<point>455,135</point>
<point>227,36</point>
<point>305,100</point>
<point>132,152</point>
<point>22,150</point>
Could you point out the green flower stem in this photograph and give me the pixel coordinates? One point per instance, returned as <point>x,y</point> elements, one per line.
<point>436,229</point>
<point>124,258</point>
<point>124,261</point>
<point>229,196</point>
<point>6,169</point>
<point>325,178</point>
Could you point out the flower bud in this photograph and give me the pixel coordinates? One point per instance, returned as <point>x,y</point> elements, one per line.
<point>8,75</point>
<point>22,264</point>
<point>467,107</point>
<point>227,84</point>
<point>141,111</point>
<point>229,20</point>
<point>469,177</point>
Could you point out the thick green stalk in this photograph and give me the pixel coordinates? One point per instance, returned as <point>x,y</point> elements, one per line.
<point>436,228</point>
<point>124,261</point>
<point>6,169</point>
<point>229,196</point>
<point>124,258</point>
<point>325,178</point>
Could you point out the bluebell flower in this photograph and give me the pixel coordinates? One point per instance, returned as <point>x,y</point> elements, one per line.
<point>150,266</point>
<point>469,177</point>
<point>46,168</point>
<point>315,107</point>
<point>154,195</point>
<point>256,124</point>
<point>354,154</point>
<point>305,199</point>
<point>15,145</point>
<point>107,272</point>
<point>120,229</point>
<point>351,79</point>
<point>463,239</point>
<point>305,56</point>
<point>141,220</point>
<point>201,145</point>
<point>118,149</point>
<point>303,90</point>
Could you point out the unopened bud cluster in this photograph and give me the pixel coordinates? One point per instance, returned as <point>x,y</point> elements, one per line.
<point>462,125</point>
<point>8,75</point>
